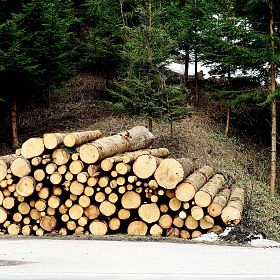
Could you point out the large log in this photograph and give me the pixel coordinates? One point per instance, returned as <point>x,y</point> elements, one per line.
<point>48,223</point>
<point>137,228</point>
<point>145,166</point>
<point>232,213</point>
<point>20,167</point>
<point>79,138</point>
<point>219,203</point>
<point>149,213</point>
<point>131,200</point>
<point>53,140</point>
<point>165,221</point>
<point>186,190</point>
<point>26,186</point>
<point>107,208</point>
<point>205,195</point>
<point>133,139</point>
<point>98,227</point>
<point>33,147</point>
<point>172,171</point>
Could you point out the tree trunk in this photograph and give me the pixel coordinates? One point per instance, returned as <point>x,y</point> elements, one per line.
<point>227,122</point>
<point>197,97</point>
<point>14,121</point>
<point>187,61</point>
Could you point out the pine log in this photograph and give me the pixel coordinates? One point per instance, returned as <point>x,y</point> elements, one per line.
<point>191,223</point>
<point>69,176</point>
<point>3,215</point>
<point>186,190</point>
<point>89,191</point>
<point>197,212</point>
<point>5,162</point>
<point>137,228</point>
<point>170,193</point>
<point>165,221</point>
<point>44,193</point>
<point>51,168</point>
<point>26,230</point>
<point>35,214</point>
<point>20,167</point>
<point>183,215</point>
<point>76,167</point>
<point>92,181</point>
<point>8,202</point>
<point>82,177</point>
<point>48,223</point>
<point>145,166</point>
<point>56,178</point>
<point>123,168</point>
<point>185,234</point>
<point>163,208</point>
<point>53,140</point>
<point>24,208</point>
<point>156,231</point>
<point>83,221</point>
<point>113,197</point>
<point>39,175</point>
<point>107,208</point>
<point>51,211</point>
<point>41,205</point>
<point>60,157</point>
<point>205,195</point>
<point>98,227</point>
<point>175,204</point>
<point>103,181</point>
<point>91,212</point>
<point>13,229</point>
<point>79,138</point>
<point>219,203</point>
<point>62,169</point>
<point>79,230</point>
<point>178,222</point>
<point>232,213</point>
<point>114,223</point>
<point>206,222</point>
<point>76,212</point>
<point>133,139</point>
<point>76,188</point>
<point>26,186</point>
<point>93,169</point>
<point>84,201</point>
<point>196,233</point>
<point>131,200</point>
<point>173,233</point>
<point>149,213</point>
<point>1,197</point>
<point>54,201</point>
<point>33,147</point>
<point>172,171</point>
<point>71,225</point>
<point>123,214</point>
<point>132,156</point>
<point>216,229</point>
<point>100,197</point>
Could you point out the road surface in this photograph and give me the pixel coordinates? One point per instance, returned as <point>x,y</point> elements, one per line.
<point>98,259</point>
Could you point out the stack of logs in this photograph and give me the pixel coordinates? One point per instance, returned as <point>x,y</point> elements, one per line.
<point>79,183</point>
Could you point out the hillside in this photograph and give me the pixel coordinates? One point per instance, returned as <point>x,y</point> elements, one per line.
<point>198,137</point>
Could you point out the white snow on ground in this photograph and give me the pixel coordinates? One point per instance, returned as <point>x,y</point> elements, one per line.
<point>264,243</point>
<point>208,237</point>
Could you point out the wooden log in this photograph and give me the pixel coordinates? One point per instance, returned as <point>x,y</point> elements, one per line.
<point>20,167</point>
<point>172,171</point>
<point>185,234</point>
<point>76,212</point>
<point>196,233</point>
<point>173,233</point>
<point>91,212</point>
<point>18,152</point>
<point>93,169</point>
<point>65,218</point>
<point>79,230</point>
<point>191,223</point>
<point>206,222</point>
<point>24,208</point>
<point>44,193</point>
<point>41,205</point>
<point>79,138</point>
<point>84,201</point>
<point>205,195</point>
<point>123,168</point>
<point>73,197</point>
<point>99,197</point>
<point>178,222</point>
<point>54,201</point>
<point>82,177</point>
<point>145,166</point>
<point>131,200</point>
<point>76,167</point>
<point>69,176</point>
<point>48,223</point>
<point>120,181</point>
<point>62,231</point>
<point>26,230</point>
<point>89,191</point>
<point>71,225</point>
<point>60,157</point>
<point>165,221</point>
<point>186,190</point>
<point>163,208</point>
<point>183,215</point>
<point>50,211</point>
<point>53,140</point>
<point>13,229</point>
<point>39,232</point>
<point>137,228</point>
<point>107,208</point>
<point>123,214</point>
<point>57,190</point>
<point>197,212</point>
<point>56,178</point>
<point>114,223</point>
<point>98,227</point>
<point>175,204</point>
<point>216,229</point>
<point>26,220</point>
<point>103,181</point>
<point>108,190</point>
<point>133,139</point>
<point>3,215</point>
<point>33,147</point>
<point>149,212</point>
<point>39,175</point>
<point>113,197</point>
<point>83,221</point>
<point>92,181</point>
<point>35,214</point>
<point>232,213</point>
<point>156,230</point>
<point>5,162</point>
<point>62,169</point>
<point>219,203</point>
<point>132,156</point>
<point>51,168</point>
<point>76,188</point>
<point>26,186</point>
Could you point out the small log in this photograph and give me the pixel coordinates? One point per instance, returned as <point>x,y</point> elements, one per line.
<point>26,230</point>
<point>123,214</point>
<point>91,212</point>
<point>183,215</point>
<point>232,213</point>
<point>99,197</point>
<point>123,168</point>
<point>137,228</point>
<point>82,177</point>
<point>186,190</point>
<point>51,168</point>
<point>60,157</point>
<point>76,167</point>
<point>62,231</point>
<point>92,181</point>
<point>76,188</point>
<point>5,162</point>
<point>56,178</point>
<point>185,234</point>
<point>26,220</point>
<point>26,186</point>
<point>114,223</point>
<point>113,197</point>
<point>133,139</point>
<point>191,223</point>
<point>92,169</point>
<point>13,229</point>
<point>69,176</point>
<point>57,190</point>
<point>219,203</point>
<point>196,233</point>
<point>132,156</point>
<point>149,213</point>
<point>39,175</point>
<point>216,229</point>
<point>41,205</point>
<point>79,230</point>
<point>51,211</point>
<point>205,195</point>
<point>24,208</point>
<point>103,181</point>
<point>33,147</point>
<point>65,218</point>
<point>84,201</point>
<point>175,204</point>
<point>108,190</point>
<point>39,232</point>
<point>71,225</point>
<point>44,193</point>
<point>63,209</point>
<point>53,140</point>
<point>206,222</point>
<point>89,191</point>
<point>98,227</point>
<point>54,201</point>
<point>20,167</point>
<point>107,208</point>
<point>3,215</point>
<point>79,138</point>
<point>48,223</point>
<point>173,233</point>
<point>197,212</point>
<point>178,222</point>
<point>62,169</point>
<point>35,214</point>
<point>83,221</point>
<point>163,208</point>
<point>165,221</point>
<point>76,212</point>
<point>145,166</point>
<point>172,171</point>
<point>131,200</point>
<point>156,231</point>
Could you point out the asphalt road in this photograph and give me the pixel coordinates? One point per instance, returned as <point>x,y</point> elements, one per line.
<point>97,259</point>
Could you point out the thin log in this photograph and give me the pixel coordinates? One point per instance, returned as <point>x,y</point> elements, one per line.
<point>53,140</point>
<point>219,203</point>
<point>79,138</point>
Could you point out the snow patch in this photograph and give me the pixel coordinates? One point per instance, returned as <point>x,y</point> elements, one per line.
<point>259,241</point>
<point>208,237</point>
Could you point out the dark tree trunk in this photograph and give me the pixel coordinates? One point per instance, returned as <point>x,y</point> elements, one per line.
<point>187,61</point>
<point>14,138</point>
<point>227,122</point>
<point>197,97</point>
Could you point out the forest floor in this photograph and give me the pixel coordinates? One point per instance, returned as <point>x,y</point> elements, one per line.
<point>198,136</point>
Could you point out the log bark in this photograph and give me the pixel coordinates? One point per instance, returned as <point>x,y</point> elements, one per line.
<point>205,195</point>
<point>133,139</point>
<point>33,147</point>
<point>172,171</point>
<point>145,166</point>
<point>149,213</point>
<point>232,213</point>
<point>219,203</point>
<point>79,138</point>
<point>53,140</point>
<point>186,190</point>
<point>137,228</point>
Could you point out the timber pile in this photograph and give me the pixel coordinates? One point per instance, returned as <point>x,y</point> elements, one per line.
<point>80,183</point>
